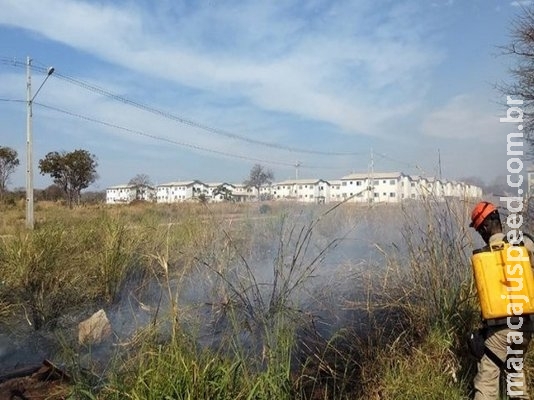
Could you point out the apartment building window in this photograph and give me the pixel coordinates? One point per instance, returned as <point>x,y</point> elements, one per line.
<point>343,183</point>
<point>376,182</point>
<point>392,181</point>
<point>376,194</point>
<point>358,183</point>
<point>392,194</point>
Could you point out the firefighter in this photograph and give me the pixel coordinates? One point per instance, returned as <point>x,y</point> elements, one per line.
<point>485,219</point>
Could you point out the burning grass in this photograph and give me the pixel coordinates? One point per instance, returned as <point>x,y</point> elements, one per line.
<point>225,301</point>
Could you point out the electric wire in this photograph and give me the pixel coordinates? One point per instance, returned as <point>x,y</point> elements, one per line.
<point>386,157</point>
<point>13,100</point>
<point>95,89</point>
<point>111,125</point>
<point>160,138</point>
<point>172,141</point>
<point>168,115</point>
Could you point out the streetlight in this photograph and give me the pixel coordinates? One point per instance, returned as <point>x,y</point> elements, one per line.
<point>29,140</point>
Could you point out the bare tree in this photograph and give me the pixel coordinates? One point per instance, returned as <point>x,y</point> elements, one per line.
<point>143,186</point>
<point>8,163</point>
<point>521,86</point>
<point>140,180</point>
<point>258,177</point>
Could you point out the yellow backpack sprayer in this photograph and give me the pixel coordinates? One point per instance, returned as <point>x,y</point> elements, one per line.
<point>504,280</point>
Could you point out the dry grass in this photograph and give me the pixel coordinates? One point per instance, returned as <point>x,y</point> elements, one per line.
<point>301,302</point>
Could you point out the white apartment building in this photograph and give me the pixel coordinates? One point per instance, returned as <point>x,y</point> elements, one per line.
<point>304,190</point>
<point>473,191</point>
<point>124,194</point>
<point>335,191</point>
<point>242,193</point>
<point>176,192</point>
<point>375,187</point>
<point>356,187</point>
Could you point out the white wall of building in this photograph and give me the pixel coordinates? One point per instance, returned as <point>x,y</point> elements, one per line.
<point>302,190</point>
<point>124,194</point>
<point>376,187</point>
<point>176,192</point>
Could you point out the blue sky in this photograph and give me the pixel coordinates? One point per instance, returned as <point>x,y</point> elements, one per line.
<point>234,83</point>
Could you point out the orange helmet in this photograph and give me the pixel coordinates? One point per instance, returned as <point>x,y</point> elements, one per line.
<point>480,212</point>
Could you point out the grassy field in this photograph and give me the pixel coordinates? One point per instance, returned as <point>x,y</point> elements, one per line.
<point>242,301</point>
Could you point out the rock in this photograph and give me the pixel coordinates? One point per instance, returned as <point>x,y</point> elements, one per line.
<point>95,329</point>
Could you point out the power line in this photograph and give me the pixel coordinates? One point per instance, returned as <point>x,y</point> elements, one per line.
<point>90,119</point>
<point>195,124</point>
<point>182,120</point>
<point>13,100</point>
<point>106,93</point>
<point>160,138</point>
<point>386,157</point>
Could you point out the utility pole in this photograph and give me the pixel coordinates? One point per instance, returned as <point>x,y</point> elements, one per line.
<point>371,178</point>
<point>29,140</point>
<point>29,147</point>
<point>297,165</point>
<point>439,164</point>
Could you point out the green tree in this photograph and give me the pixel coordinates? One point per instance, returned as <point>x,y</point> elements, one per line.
<point>258,177</point>
<point>8,163</point>
<point>202,198</point>
<point>72,171</point>
<point>223,191</point>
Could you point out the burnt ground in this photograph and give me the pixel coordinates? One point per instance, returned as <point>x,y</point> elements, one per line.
<point>37,382</point>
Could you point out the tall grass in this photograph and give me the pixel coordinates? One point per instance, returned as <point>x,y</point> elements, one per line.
<point>255,315</point>
<point>427,305</point>
<point>37,274</point>
<point>250,305</point>
<point>408,312</point>
<point>60,266</point>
